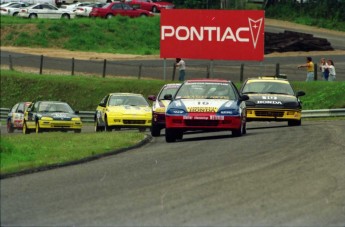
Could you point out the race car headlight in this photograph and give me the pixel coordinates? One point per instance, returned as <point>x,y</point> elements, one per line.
<point>250,103</point>
<point>291,104</point>
<point>174,111</point>
<point>228,112</point>
<point>46,118</point>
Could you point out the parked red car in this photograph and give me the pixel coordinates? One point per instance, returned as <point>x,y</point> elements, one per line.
<point>151,5</point>
<point>118,8</point>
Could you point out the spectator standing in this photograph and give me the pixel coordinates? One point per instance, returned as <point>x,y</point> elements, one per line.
<point>324,68</point>
<point>331,69</point>
<point>310,69</point>
<point>182,68</point>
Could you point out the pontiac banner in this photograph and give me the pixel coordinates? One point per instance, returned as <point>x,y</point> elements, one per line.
<point>212,34</point>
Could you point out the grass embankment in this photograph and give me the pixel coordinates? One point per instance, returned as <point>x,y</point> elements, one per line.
<point>118,35</point>
<point>21,152</point>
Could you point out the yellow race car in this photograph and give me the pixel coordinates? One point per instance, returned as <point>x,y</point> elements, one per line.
<point>51,116</point>
<point>123,110</point>
<point>272,99</point>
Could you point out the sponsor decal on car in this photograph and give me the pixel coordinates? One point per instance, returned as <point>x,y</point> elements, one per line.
<point>202,109</point>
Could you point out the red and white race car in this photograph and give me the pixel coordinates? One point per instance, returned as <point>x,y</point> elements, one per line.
<point>205,104</point>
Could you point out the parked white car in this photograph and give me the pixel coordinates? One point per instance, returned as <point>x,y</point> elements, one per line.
<point>84,11</point>
<point>13,9</point>
<point>74,6</point>
<point>44,10</point>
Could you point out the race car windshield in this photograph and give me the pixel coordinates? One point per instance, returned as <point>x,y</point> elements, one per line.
<point>265,87</point>
<point>206,91</point>
<point>127,100</point>
<point>170,90</point>
<point>55,107</point>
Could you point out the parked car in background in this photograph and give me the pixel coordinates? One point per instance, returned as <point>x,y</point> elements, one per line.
<point>51,116</point>
<point>119,9</point>
<point>154,6</point>
<point>15,117</point>
<point>272,99</point>
<point>207,105</point>
<point>84,11</point>
<point>158,107</point>
<point>123,110</point>
<point>12,9</point>
<point>74,6</point>
<point>45,10</point>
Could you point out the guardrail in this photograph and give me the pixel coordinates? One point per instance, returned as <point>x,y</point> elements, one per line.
<point>88,116</point>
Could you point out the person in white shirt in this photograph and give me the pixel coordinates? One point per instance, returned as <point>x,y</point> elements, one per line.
<point>324,69</point>
<point>182,68</point>
<point>331,70</point>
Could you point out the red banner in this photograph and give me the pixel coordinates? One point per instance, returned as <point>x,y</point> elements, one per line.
<point>212,34</point>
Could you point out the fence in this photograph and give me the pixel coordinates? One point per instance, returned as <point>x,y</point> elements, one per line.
<point>88,116</point>
<point>164,69</point>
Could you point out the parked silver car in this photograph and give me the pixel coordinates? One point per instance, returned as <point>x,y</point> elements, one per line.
<point>45,10</point>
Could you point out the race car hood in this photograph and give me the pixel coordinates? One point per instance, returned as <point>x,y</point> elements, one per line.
<point>203,105</point>
<point>58,115</point>
<point>271,100</point>
<point>132,110</point>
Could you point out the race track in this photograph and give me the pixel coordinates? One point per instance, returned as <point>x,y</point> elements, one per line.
<point>273,176</point>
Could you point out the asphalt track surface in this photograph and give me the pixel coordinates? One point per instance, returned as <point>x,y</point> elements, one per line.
<point>273,176</point>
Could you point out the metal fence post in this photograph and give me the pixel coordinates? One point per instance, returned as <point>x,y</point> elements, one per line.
<point>41,65</point>
<point>72,66</point>
<point>277,69</point>
<point>315,71</point>
<point>104,67</point>
<point>174,71</point>
<point>241,73</point>
<point>140,66</point>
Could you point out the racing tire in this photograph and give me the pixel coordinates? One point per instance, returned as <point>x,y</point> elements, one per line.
<point>170,135</point>
<point>109,16</point>
<point>77,131</point>
<point>179,135</point>
<point>25,128</point>
<point>142,129</point>
<point>154,9</point>
<point>65,16</point>
<point>97,127</point>
<point>294,122</point>
<point>155,131</point>
<point>10,128</point>
<point>38,128</point>
<point>244,129</point>
<point>15,14</point>
<point>33,16</point>
<point>107,128</point>
<point>238,132</point>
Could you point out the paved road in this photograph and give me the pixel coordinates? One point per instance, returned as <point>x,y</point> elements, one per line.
<point>274,176</point>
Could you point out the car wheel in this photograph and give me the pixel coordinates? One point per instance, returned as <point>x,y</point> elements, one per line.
<point>25,128</point>
<point>77,131</point>
<point>142,129</point>
<point>107,128</point>
<point>143,15</point>
<point>109,16</point>
<point>65,16</point>
<point>33,16</point>
<point>294,122</point>
<point>154,9</point>
<point>10,128</point>
<point>170,135</point>
<point>179,135</point>
<point>155,130</point>
<point>97,127</point>
<point>38,128</point>
<point>15,14</point>
<point>238,132</point>
<point>244,128</point>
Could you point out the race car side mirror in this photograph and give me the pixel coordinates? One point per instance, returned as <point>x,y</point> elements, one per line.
<point>152,98</point>
<point>168,97</point>
<point>244,97</point>
<point>300,93</point>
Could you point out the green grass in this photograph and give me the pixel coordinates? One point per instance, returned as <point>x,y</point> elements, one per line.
<point>21,152</point>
